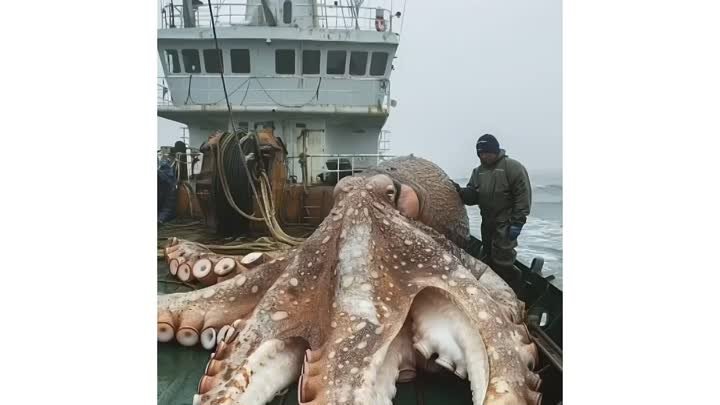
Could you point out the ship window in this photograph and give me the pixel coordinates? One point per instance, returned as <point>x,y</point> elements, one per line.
<point>358,63</point>
<point>287,12</point>
<point>264,124</point>
<point>378,63</point>
<point>173,60</point>
<point>191,60</point>
<point>311,62</point>
<point>240,60</point>
<point>285,61</point>
<point>213,58</point>
<point>336,62</point>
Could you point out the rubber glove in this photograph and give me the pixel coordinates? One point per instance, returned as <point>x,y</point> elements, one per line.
<point>457,187</point>
<point>514,231</point>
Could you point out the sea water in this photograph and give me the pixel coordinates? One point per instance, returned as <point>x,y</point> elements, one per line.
<point>542,234</point>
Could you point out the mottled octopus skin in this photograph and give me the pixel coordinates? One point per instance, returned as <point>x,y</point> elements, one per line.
<point>339,312</point>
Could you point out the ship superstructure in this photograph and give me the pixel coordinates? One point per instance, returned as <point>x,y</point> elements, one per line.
<point>316,72</point>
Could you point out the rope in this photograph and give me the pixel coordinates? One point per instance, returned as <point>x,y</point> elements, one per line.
<point>270,209</point>
<point>229,108</point>
<point>224,142</point>
<point>270,222</point>
<point>265,203</point>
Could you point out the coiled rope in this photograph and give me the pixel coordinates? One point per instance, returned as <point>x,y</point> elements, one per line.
<point>265,200</point>
<point>265,204</point>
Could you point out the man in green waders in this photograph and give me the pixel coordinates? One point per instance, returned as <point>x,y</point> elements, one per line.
<point>501,188</point>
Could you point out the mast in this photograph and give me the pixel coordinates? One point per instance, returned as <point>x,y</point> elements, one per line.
<point>188,14</point>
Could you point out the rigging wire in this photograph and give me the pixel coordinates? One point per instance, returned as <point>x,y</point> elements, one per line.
<point>316,94</point>
<point>272,225</point>
<point>402,21</point>
<point>188,97</point>
<point>314,97</point>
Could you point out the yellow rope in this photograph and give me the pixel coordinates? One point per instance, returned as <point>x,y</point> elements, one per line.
<point>270,209</point>
<point>266,203</point>
<point>223,180</point>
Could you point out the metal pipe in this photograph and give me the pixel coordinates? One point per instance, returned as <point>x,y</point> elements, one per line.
<point>546,345</point>
<point>188,14</point>
<point>172,14</point>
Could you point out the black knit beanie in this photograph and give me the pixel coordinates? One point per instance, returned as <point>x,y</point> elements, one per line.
<point>487,144</point>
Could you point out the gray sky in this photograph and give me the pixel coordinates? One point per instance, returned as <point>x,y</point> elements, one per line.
<point>481,66</point>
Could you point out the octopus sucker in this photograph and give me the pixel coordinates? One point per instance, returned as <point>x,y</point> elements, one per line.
<point>208,338</point>
<point>202,270</point>
<point>224,266</point>
<point>165,328</point>
<point>361,305</point>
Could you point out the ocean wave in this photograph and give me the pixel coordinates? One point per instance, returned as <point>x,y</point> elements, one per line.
<point>542,236</point>
<point>548,187</point>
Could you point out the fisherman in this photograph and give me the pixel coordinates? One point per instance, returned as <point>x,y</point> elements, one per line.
<point>501,188</point>
<point>167,183</point>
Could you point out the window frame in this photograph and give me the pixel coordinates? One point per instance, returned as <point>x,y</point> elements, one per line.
<point>294,65</point>
<point>249,61</point>
<point>385,66</point>
<point>221,64</point>
<point>199,59</point>
<point>367,63</point>
<point>319,65</point>
<point>169,64</point>
<point>345,67</point>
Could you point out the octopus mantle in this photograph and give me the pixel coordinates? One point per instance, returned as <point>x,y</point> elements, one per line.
<point>370,297</point>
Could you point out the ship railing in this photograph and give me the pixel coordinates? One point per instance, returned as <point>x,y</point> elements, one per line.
<point>186,164</point>
<point>313,169</point>
<point>326,14</point>
<point>346,17</point>
<point>163,92</point>
<point>226,14</point>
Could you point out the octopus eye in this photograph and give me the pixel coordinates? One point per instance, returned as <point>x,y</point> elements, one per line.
<point>390,193</point>
<point>393,192</point>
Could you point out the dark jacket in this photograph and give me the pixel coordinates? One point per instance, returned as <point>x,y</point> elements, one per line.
<point>167,192</point>
<point>501,190</point>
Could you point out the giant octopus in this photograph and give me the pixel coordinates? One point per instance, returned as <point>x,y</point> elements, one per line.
<point>379,290</point>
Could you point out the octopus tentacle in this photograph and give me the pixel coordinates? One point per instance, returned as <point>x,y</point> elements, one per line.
<point>501,293</point>
<point>359,362</point>
<point>433,266</point>
<point>499,290</point>
<point>399,365</point>
<point>181,255</point>
<point>188,315</point>
<point>439,327</point>
<point>362,356</point>
<point>508,358</point>
<point>274,365</point>
<point>249,366</point>
<point>190,261</point>
<point>267,354</point>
